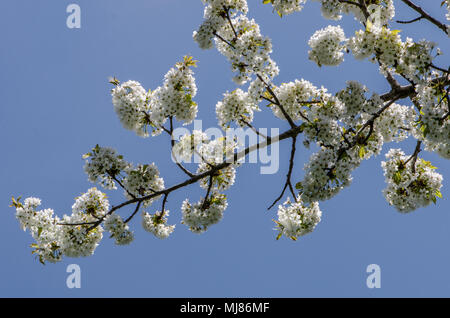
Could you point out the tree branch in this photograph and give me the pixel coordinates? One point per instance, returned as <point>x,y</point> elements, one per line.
<point>288,182</point>
<point>277,102</point>
<point>228,161</point>
<point>134,213</point>
<point>254,129</point>
<point>417,150</point>
<point>269,89</point>
<point>408,90</point>
<point>411,21</point>
<point>426,16</point>
<point>210,183</point>
<point>172,144</point>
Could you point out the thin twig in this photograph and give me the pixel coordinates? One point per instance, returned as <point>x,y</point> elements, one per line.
<point>163,207</point>
<point>121,184</point>
<point>210,184</point>
<point>426,16</point>
<point>417,150</point>
<point>288,182</point>
<point>134,213</point>
<point>223,40</point>
<point>227,13</point>
<point>254,129</point>
<point>277,102</point>
<point>410,21</point>
<point>172,144</point>
<point>269,89</point>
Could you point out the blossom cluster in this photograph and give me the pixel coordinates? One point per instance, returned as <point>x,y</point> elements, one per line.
<point>175,97</point>
<point>393,124</point>
<point>239,39</point>
<point>293,96</point>
<point>138,110</point>
<point>118,229</point>
<point>130,102</point>
<point>143,180</point>
<point>297,219</point>
<point>219,150</point>
<point>285,7</point>
<point>410,59</point>
<point>103,164</point>
<point>201,215</point>
<point>92,203</point>
<point>70,236</point>
<point>434,125</point>
<point>354,99</point>
<point>411,183</point>
<point>407,58</point>
<point>249,52</point>
<point>81,240</point>
<point>236,106</point>
<point>326,46</point>
<point>222,180</point>
<point>325,175</point>
<point>211,153</point>
<point>380,12</point>
<point>188,145</point>
<point>336,125</point>
<point>209,210</point>
<point>215,15</point>
<point>157,224</point>
<point>43,227</point>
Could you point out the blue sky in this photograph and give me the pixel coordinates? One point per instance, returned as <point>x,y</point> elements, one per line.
<point>56,105</point>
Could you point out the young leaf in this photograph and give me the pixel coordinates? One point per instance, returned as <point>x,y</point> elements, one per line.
<point>362,152</point>
<point>279,235</point>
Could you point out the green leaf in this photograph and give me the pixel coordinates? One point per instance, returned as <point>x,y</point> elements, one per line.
<point>425,130</point>
<point>15,202</point>
<point>189,61</point>
<point>279,235</point>
<point>368,26</point>
<point>439,194</point>
<point>302,127</point>
<point>397,177</point>
<point>428,164</point>
<point>114,81</point>
<point>299,186</point>
<point>362,152</point>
